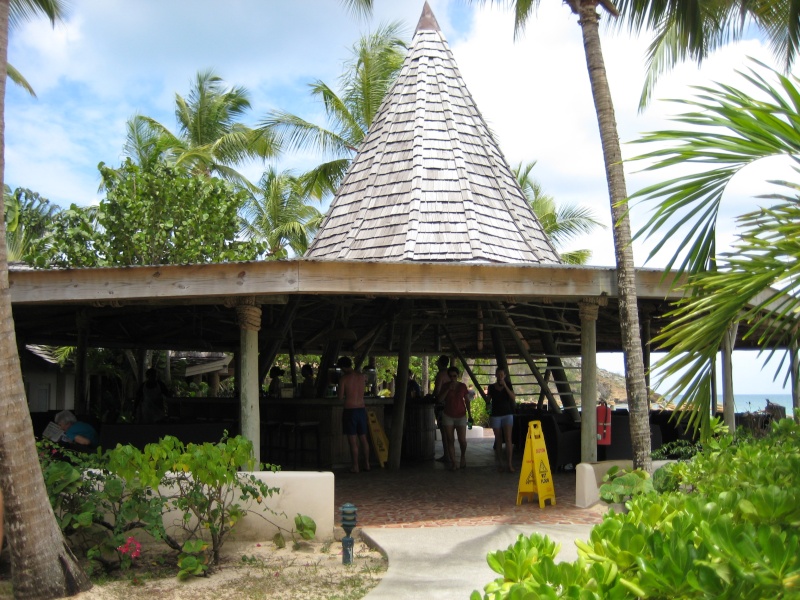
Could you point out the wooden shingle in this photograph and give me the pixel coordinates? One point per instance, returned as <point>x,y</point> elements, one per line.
<point>429,182</point>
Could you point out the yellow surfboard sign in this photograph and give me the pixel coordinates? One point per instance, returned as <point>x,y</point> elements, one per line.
<point>380,443</point>
<point>535,476</point>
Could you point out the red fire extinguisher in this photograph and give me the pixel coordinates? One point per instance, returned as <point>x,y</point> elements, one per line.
<point>603,424</point>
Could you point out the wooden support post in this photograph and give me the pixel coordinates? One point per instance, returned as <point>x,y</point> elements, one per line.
<point>500,350</point>
<point>249,319</point>
<point>588,312</point>
<point>728,407</point>
<point>292,365</point>
<point>399,412</point>
<point>81,400</point>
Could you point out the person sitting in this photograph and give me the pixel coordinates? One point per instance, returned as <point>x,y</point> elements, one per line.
<point>413,391</point>
<point>76,433</point>
<point>307,388</point>
<point>274,390</point>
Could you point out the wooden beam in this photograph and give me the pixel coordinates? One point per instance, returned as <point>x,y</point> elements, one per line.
<point>469,371</point>
<point>523,350</point>
<point>272,279</point>
<point>269,347</point>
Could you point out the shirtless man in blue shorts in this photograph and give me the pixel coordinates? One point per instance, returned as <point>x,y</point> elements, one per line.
<point>354,416</point>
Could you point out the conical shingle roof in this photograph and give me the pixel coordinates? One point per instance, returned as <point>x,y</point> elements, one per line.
<point>429,182</point>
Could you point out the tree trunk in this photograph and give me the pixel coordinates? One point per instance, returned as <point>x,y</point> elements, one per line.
<point>626,274</point>
<point>41,563</point>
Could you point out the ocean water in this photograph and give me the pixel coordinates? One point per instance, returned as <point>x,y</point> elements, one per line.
<point>757,402</point>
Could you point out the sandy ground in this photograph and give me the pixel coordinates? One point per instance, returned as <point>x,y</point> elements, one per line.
<point>311,570</point>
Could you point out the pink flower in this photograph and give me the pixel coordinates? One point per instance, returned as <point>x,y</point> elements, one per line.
<point>125,548</point>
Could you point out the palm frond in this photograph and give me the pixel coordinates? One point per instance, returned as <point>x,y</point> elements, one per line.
<point>755,285</point>
<point>28,10</point>
<point>728,130</point>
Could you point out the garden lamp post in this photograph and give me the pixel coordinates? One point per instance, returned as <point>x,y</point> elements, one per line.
<point>348,512</point>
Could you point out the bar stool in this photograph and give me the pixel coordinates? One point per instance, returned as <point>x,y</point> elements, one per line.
<point>293,434</point>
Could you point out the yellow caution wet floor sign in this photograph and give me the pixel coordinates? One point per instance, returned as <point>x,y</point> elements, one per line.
<point>380,442</point>
<point>534,476</point>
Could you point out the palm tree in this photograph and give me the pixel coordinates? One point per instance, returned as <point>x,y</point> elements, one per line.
<point>279,214</point>
<point>727,129</point>
<point>561,223</point>
<point>42,565</point>
<point>28,218</point>
<point>375,62</point>
<point>210,140</point>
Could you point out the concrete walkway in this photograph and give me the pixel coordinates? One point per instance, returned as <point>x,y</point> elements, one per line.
<point>450,562</point>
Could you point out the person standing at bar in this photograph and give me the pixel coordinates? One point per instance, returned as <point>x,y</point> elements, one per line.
<point>456,413</point>
<point>354,416</point>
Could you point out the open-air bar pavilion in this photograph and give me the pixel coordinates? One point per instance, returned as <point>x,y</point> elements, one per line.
<point>429,248</point>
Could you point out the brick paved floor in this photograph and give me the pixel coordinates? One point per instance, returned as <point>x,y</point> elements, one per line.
<point>426,494</point>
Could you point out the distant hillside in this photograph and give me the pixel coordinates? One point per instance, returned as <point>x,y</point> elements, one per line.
<point>611,386</point>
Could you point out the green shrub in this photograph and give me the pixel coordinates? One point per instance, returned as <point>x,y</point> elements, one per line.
<point>676,450</point>
<point>478,409</point>
<point>730,531</point>
<point>620,485</point>
<point>98,499</point>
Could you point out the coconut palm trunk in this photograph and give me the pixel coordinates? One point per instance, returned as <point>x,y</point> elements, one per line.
<point>42,564</point>
<point>588,19</point>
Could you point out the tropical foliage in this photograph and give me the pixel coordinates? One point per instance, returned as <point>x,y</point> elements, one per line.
<point>211,138</point>
<point>368,75</point>
<point>684,29</point>
<point>151,216</point>
<point>28,217</point>
<point>729,129</point>
<point>562,223</point>
<point>726,130</point>
<point>726,529</point>
<point>101,500</point>
<point>280,214</point>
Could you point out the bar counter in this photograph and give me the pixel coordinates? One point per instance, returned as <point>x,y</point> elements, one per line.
<point>277,432</point>
<point>279,414</point>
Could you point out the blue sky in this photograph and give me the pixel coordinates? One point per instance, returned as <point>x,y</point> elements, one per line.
<point>112,59</point>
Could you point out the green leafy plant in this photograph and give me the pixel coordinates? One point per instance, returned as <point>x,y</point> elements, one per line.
<point>305,527</point>
<point>730,531</point>
<point>95,508</point>
<point>99,499</point>
<point>193,559</point>
<point>203,482</point>
<point>668,478</point>
<point>620,485</point>
<point>676,450</point>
